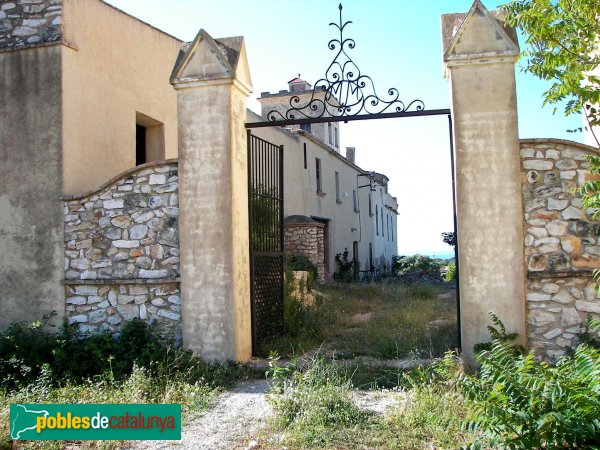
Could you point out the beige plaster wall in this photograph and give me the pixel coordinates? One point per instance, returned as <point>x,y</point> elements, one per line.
<point>118,66</point>
<point>31,232</point>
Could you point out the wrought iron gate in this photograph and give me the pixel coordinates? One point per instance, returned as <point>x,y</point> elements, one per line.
<point>265,203</point>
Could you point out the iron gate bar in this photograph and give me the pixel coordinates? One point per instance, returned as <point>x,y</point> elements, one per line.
<point>266,236</point>
<point>346,119</point>
<point>455,217</point>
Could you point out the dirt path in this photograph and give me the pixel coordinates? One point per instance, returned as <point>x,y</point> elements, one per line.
<point>237,414</point>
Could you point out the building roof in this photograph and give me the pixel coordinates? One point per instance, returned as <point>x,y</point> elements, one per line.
<point>297,80</point>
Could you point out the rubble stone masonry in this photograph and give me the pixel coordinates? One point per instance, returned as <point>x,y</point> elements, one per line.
<point>122,252</point>
<point>27,23</point>
<point>561,244</point>
<point>304,236</point>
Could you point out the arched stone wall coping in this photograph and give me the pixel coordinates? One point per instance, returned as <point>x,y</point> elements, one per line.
<point>113,180</point>
<point>300,220</point>
<point>559,141</point>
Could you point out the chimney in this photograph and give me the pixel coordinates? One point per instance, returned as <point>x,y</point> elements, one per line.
<point>350,153</point>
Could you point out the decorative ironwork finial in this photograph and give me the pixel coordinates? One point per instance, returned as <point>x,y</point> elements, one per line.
<point>344,91</point>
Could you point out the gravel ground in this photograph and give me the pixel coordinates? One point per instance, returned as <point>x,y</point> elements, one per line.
<point>229,424</point>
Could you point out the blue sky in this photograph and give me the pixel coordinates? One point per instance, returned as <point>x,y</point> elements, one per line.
<point>398,44</point>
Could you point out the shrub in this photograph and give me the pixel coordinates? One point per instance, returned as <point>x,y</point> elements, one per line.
<point>302,323</point>
<point>300,263</point>
<point>405,265</point>
<point>451,274</point>
<point>27,352</point>
<point>345,270</point>
<point>518,402</point>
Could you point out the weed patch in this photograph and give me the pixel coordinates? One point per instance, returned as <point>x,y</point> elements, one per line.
<point>313,409</point>
<point>139,367</point>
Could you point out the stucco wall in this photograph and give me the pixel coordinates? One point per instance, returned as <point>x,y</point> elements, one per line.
<point>117,66</point>
<point>31,228</point>
<point>122,251</point>
<point>561,244</point>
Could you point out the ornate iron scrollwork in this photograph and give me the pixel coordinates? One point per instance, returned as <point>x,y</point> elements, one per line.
<point>344,91</point>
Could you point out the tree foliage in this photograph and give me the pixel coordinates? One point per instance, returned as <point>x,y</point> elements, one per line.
<point>406,265</point>
<point>517,402</point>
<point>449,238</point>
<point>563,48</point>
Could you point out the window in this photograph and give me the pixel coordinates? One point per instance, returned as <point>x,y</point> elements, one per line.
<point>377,219</point>
<point>371,256</point>
<point>392,220</point>
<point>337,187</point>
<point>305,161</point>
<point>305,127</point>
<point>370,205</point>
<point>318,174</point>
<point>140,144</point>
<point>382,226</point>
<point>330,133</point>
<point>149,139</point>
<point>388,225</point>
<point>337,136</point>
<point>355,200</point>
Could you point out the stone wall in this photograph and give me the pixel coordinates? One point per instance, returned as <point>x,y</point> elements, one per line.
<point>304,236</point>
<point>25,23</point>
<point>122,251</point>
<point>561,244</point>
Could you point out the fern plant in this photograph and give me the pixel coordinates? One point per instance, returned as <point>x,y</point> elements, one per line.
<point>517,402</point>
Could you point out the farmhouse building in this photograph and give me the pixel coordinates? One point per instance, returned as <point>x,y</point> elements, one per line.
<point>89,205</point>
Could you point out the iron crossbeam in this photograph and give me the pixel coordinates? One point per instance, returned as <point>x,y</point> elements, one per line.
<point>346,119</point>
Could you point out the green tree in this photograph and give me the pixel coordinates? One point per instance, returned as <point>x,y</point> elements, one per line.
<point>562,38</point>
<point>449,238</point>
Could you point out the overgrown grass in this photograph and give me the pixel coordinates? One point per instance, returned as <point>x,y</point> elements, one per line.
<point>381,320</point>
<point>313,409</point>
<point>140,367</point>
<point>313,405</point>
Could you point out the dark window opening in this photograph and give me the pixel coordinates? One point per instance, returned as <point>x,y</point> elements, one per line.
<point>305,161</point>
<point>305,127</point>
<point>337,187</point>
<point>140,145</point>
<point>149,139</point>
<point>355,260</point>
<point>318,174</point>
<point>377,219</point>
<point>387,221</point>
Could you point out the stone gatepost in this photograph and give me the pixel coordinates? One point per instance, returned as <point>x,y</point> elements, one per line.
<point>212,82</point>
<point>479,56</point>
